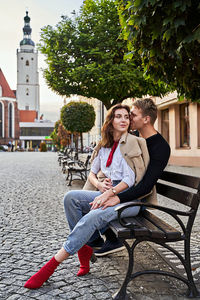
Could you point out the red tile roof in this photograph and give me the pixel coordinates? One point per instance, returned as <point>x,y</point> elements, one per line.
<point>27,115</point>
<point>6,90</point>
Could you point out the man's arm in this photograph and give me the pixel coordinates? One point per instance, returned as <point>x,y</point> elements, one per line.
<point>159,156</point>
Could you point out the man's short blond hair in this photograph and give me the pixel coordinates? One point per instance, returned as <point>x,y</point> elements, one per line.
<point>148,108</point>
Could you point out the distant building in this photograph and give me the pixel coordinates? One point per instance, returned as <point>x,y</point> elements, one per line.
<point>20,120</point>
<point>33,129</point>
<point>27,76</point>
<point>9,113</point>
<point>179,123</point>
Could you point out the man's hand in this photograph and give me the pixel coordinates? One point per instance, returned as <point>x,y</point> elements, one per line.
<point>104,202</point>
<point>111,201</point>
<point>104,185</point>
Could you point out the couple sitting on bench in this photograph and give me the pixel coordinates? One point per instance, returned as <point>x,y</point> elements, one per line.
<point>124,168</point>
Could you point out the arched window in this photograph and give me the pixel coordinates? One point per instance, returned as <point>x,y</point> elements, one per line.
<point>27,63</point>
<point>1,120</point>
<point>10,120</point>
<point>27,78</point>
<point>27,92</point>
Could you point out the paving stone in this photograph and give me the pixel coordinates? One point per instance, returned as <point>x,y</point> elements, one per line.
<point>33,228</point>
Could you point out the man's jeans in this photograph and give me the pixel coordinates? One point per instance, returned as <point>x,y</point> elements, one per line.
<point>83,222</point>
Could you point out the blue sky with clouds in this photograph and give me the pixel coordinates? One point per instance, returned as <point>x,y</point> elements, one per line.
<point>42,13</point>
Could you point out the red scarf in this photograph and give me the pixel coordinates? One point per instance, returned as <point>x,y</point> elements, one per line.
<point>110,157</point>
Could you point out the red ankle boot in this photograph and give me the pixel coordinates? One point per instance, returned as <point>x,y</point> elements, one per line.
<point>85,254</point>
<point>42,275</point>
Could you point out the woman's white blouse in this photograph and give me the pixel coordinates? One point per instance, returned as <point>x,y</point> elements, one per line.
<point>118,170</point>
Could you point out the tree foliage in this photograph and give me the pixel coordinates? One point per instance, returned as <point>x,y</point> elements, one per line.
<point>78,117</point>
<point>167,36</point>
<point>60,136</point>
<point>86,57</point>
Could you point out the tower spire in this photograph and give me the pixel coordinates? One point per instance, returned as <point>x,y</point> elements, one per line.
<point>27,32</point>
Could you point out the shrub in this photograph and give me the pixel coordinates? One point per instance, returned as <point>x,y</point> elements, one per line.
<point>43,147</point>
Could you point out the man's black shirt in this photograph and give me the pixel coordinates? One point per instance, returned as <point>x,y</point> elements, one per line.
<point>159,152</point>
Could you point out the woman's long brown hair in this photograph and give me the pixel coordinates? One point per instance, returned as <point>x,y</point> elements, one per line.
<point>107,129</point>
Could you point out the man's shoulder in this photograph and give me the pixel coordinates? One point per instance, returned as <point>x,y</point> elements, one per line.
<point>158,146</point>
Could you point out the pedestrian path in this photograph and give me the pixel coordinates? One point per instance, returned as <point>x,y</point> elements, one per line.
<point>33,228</point>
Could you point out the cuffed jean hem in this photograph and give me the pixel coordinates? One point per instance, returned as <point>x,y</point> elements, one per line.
<point>67,249</point>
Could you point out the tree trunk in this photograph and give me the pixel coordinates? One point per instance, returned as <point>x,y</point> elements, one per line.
<point>81,136</point>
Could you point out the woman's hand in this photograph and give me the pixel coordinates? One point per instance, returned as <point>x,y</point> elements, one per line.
<point>104,185</point>
<point>97,202</point>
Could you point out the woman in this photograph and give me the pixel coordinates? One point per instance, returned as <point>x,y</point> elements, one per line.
<point>123,159</point>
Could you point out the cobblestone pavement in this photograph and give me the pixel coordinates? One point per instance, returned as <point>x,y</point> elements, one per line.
<point>33,228</point>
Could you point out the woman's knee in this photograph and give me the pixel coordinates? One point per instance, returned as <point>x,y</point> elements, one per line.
<point>68,198</point>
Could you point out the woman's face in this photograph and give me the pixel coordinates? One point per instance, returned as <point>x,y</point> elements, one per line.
<point>121,120</point>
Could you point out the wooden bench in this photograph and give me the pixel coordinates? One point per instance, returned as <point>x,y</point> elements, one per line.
<point>149,227</point>
<point>78,170</point>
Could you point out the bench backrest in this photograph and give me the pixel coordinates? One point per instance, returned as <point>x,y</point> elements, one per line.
<point>178,194</point>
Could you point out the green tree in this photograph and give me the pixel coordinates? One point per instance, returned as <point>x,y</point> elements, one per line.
<point>60,136</point>
<point>43,147</point>
<point>78,117</point>
<point>167,36</point>
<point>86,57</point>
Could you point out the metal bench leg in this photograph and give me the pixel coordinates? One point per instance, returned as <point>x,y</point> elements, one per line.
<point>70,180</point>
<point>192,289</point>
<point>121,294</point>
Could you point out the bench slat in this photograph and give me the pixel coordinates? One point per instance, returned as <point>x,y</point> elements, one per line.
<point>169,231</point>
<point>182,179</point>
<point>147,225</point>
<point>184,197</point>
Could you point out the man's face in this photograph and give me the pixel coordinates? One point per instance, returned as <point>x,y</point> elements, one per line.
<point>137,120</point>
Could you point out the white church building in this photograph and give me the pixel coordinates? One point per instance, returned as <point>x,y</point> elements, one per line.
<point>33,129</point>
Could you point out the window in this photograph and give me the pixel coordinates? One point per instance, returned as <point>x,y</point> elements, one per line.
<point>27,78</point>
<point>165,124</point>
<point>27,63</point>
<point>22,58</point>
<point>10,114</point>
<point>27,92</point>
<point>1,119</point>
<point>35,131</point>
<point>27,107</point>
<point>184,125</point>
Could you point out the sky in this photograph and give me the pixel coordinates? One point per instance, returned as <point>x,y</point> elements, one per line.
<point>42,13</point>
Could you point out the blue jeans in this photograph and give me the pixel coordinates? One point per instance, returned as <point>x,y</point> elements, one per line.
<point>83,222</point>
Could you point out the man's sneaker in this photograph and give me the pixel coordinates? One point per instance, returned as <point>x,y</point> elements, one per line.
<point>96,244</point>
<point>109,247</point>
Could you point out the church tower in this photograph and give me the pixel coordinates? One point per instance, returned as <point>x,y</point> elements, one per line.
<point>27,76</point>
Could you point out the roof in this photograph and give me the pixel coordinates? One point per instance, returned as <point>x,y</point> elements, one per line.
<point>6,90</point>
<point>26,41</point>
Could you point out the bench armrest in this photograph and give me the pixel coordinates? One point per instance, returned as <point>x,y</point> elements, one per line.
<point>125,205</point>
<point>173,212</point>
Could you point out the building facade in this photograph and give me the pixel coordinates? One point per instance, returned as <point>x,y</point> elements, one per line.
<point>27,76</point>
<point>179,123</point>
<point>9,113</point>
<point>20,120</point>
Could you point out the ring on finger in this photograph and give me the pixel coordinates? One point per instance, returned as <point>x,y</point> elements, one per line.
<point>98,202</point>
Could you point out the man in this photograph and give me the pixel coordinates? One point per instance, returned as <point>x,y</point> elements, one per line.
<point>143,117</point>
